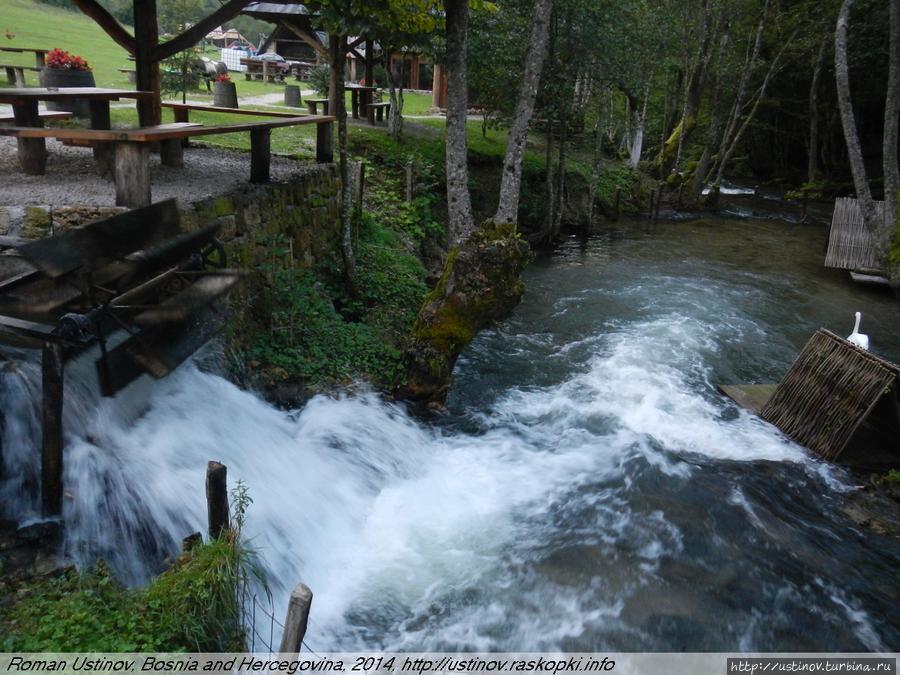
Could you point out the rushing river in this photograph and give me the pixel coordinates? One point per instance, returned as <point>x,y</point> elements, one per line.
<point>588,489</point>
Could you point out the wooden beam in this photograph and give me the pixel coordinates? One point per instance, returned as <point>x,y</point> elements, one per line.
<point>260,155</point>
<point>199,30</point>
<point>308,38</point>
<point>296,620</point>
<point>32,152</point>
<point>132,175</point>
<point>324,143</point>
<point>107,22</point>
<point>146,66</point>
<point>217,499</point>
<point>103,240</point>
<point>52,431</point>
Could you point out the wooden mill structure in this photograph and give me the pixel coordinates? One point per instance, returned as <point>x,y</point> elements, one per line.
<point>135,285</point>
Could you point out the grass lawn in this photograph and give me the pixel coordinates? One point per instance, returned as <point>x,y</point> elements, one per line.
<point>41,26</point>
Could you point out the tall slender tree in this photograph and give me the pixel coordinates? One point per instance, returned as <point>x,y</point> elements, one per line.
<point>511,180</point>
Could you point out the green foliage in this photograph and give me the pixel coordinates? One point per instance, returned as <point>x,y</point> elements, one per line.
<point>892,477</point>
<point>319,336</point>
<point>191,607</point>
<point>613,176</point>
<point>320,78</point>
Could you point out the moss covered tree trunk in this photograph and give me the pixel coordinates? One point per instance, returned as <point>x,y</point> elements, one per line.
<point>481,283</point>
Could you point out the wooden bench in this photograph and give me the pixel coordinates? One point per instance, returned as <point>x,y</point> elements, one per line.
<point>16,73</point>
<point>312,105</point>
<point>131,149</point>
<point>182,111</point>
<point>130,72</point>
<point>60,115</point>
<point>376,111</point>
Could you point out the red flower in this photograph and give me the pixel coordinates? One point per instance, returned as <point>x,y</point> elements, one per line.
<point>223,77</point>
<point>58,58</point>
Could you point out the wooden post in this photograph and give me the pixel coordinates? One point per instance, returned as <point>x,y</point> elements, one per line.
<point>260,155</point>
<point>32,151</point>
<point>217,499</point>
<point>132,174</point>
<point>324,144</point>
<point>52,432</point>
<point>409,181</point>
<point>616,203</point>
<point>104,153</point>
<point>296,620</point>
<point>370,62</point>
<point>171,153</point>
<point>146,34</point>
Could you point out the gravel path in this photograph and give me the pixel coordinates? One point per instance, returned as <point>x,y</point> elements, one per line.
<point>72,180</point>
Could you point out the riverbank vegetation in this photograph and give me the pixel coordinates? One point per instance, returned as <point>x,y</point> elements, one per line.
<point>193,606</point>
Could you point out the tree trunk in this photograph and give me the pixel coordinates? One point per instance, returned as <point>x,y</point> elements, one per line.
<point>729,138</point>
<point>812,165</point>
<point>595,164</point>
<point>146,33</point>
<point>693,91</point>
<point>712,131</point>
<point>848,122</point>
<point>511,182</point>
<point>889,146</point>
<point>459,202</point>
<point>561,170</point>
<point>729,151</point>
<point>548,183</point>
<point>637,145</point>
<point>395,115</point>
<point>338,49</point>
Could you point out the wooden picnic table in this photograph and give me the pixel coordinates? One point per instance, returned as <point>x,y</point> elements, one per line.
<point>360,97</point>
<point>24,101</point>
<point>39,54</point>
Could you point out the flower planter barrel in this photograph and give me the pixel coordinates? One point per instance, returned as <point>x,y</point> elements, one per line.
<point>66,77</point>
<point>225,95</point>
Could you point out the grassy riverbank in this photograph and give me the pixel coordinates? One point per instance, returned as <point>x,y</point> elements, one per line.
<point>193,606</point>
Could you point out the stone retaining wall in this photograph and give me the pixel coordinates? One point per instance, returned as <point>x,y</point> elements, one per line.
<point>293,222</point>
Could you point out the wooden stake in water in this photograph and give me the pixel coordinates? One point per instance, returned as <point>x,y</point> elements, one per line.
<point>297,619</point>
<point>217,498</point>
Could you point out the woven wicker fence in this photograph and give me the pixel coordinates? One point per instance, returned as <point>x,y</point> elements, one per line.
<point>827,393</point>
<point>850,244</point>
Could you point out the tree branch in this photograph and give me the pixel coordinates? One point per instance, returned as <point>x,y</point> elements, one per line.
<point>199,30</point>
<point>107,22</point>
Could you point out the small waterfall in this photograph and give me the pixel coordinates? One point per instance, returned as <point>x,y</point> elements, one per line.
<point>608,499</point>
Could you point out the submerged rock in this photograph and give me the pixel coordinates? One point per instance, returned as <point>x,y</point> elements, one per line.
<point>481,283</point>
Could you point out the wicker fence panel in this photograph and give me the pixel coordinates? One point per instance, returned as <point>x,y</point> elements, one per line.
<point>850,245</point>
<point>827,393</point>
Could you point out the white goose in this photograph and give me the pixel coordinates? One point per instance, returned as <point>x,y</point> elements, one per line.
<point>856,337</point>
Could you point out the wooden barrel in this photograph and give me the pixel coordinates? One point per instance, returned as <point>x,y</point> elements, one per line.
<point>66,77</point>
<point>225,95</point>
